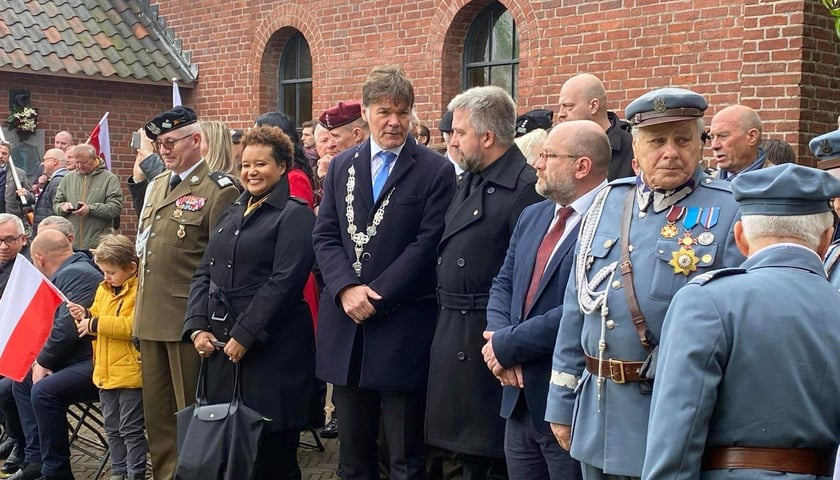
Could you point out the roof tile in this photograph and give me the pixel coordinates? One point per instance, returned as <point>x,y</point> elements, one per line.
<point>105,39</point>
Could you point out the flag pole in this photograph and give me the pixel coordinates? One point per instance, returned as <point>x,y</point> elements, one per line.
<point>14,171</point>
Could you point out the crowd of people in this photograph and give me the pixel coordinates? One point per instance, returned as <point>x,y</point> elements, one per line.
<point>557,295</point>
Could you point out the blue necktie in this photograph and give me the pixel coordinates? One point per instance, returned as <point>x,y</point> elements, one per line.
<point>382,174</point>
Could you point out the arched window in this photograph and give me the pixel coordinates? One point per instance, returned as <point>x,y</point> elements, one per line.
<point>491,50</point>
<point>295,79</point>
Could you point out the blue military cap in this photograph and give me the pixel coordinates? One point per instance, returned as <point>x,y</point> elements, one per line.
<point>826,146</point>
<point>665,105</point>
<point>785,190</point>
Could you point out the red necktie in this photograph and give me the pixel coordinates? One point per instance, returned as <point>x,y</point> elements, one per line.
<point>544,253</point>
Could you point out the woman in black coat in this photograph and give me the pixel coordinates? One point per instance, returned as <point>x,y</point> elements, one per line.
<point>248,292</point>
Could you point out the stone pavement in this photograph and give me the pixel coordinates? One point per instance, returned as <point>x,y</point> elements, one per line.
<point>314,465</point>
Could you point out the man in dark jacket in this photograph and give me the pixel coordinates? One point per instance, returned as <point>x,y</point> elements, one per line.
<point>583,97</point>
<point>10,195</point>
<point>55,166</point>
<point>61,375</point>
<point>463,400</point>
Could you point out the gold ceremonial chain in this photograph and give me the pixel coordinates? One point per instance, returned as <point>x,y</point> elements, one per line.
<point>253,206</point>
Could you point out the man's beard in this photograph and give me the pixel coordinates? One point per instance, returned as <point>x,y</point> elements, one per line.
<point>469,163</point>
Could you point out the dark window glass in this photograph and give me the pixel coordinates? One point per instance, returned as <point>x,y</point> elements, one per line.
<point>295,80</point>
<point>491,50</point>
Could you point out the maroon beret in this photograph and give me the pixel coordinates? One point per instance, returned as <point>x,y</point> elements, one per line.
<point>341,114</point>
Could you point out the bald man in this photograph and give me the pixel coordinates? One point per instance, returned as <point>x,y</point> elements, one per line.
<point>55,167</point>
<point>61,375</point>
<point>736,141</point>
<point>583,97</point>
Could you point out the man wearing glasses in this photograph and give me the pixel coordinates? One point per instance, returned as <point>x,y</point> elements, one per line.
<point>180,209</point>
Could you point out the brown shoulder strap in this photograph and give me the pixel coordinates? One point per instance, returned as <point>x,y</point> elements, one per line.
<point>627,271</point>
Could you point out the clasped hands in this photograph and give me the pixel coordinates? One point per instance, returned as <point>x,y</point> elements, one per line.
<point>507,376</point>
<point>356,302</point>
<point>206,343</point>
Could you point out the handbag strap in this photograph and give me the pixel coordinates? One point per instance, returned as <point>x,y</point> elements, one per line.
<point>201,387</point>
<point>627,271</point>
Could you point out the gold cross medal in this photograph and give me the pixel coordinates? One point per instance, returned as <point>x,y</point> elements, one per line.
<point>670,229</point>
<point>684,261</point>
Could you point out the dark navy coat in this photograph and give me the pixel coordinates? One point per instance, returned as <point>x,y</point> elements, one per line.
<point>398,263</point>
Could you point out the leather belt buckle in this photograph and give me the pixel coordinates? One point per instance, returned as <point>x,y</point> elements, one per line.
<point>216,317</point>
<point>616,371</point>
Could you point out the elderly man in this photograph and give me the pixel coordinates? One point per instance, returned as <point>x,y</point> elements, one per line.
<point>736,141</point>
<point>325,148</point>
<point>90,196</point>
<point>718,410</point>
<point>583,97</point>
<point>526,301</point>
<point>181,207</point>
<point>462,413</point>
<point>64,141</point>
<point>61,375</point>
<point>10,195</point>
<point>55,167</point>
<point>346,125</point>
<point>642,240</point>
<point>380,220</point>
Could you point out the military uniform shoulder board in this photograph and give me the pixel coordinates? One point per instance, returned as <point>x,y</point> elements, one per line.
<point>707,277</point>
<point>221,179</point>
<point>299,200</point>
<point>715,183</point>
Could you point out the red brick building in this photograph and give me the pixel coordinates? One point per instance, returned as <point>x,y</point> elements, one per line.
<point>238,58</point>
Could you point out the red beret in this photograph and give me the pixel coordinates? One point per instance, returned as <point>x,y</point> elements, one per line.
<point>341,114</point>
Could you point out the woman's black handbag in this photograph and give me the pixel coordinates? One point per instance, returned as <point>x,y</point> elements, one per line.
<point>220,441</point>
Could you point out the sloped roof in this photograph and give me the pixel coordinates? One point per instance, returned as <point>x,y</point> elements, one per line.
<point>115,40</point>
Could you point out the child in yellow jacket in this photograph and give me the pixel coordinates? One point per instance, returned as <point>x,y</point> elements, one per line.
<point>116,361</point>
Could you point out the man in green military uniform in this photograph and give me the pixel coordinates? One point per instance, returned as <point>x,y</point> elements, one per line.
<point>181,207</point>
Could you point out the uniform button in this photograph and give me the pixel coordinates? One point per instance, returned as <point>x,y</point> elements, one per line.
<point>707,181</point>
<point>440,260</point>
<point>661,252</point>
<point>461,262</point>
<point>230,263</point>
<point>148,254</point>
<point>629,248</point>
<point>461,356</point>
<point>157,217</point>
<point>616,284</point>
<point>212,261</point>
<point>366,256</point>
<point>148,272</point>
<point>608,243</point>
<point>642,214</point>
<point>236,233</point>
<point>610,324</point>
<point>475,213</point>
<point>220,230</point>
<point>153,235</point>
<point>491,190</point>
<point>463,312</point>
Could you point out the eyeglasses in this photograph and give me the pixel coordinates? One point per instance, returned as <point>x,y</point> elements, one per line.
<point>10,241</point>
<point>169,143</point>
<point>551,156</point>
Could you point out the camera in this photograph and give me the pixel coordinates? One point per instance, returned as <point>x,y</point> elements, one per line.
<point>135,140</point>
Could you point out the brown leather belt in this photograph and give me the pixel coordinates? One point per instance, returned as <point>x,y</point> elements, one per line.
<point>619,371</point>
<point>789,460</point>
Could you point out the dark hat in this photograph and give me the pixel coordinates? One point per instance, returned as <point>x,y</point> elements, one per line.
<point>169,120</point>
<point>539,118</point>
<point>785,190</point>
<point>826,146</point>
<point>236,135</point>
<point>665,105</point>
<point>341,114</point>
<point>445,124</point>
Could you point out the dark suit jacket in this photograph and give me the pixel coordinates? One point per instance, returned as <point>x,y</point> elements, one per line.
<point>529,340</point>
<point>392,347</point>
<point>78,280</point>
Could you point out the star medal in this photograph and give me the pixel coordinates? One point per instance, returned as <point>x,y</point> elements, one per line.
<point>687,242</point>
<point>684,261</point>
<point>708,219</point>
<point>670,229</point>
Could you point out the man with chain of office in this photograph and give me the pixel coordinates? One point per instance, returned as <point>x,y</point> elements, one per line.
<point>642,240</point>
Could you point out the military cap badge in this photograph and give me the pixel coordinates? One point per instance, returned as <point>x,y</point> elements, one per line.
<point>825,147</point>
<point>659,104</point>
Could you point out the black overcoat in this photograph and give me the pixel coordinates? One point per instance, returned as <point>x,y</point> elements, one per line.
<point>258,265</point>
<point>464,397</point>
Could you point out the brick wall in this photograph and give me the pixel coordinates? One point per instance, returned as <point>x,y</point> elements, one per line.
<point>780,57</point>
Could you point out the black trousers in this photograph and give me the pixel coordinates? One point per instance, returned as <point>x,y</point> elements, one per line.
<point>10,412</point>
<point>277,456</point>
<point>402,416</point>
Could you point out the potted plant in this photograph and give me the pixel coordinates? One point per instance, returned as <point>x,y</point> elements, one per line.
<point>24,121</point>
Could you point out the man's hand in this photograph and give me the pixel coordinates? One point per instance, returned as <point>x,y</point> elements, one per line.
<point>203,343</point>
<point>83,327</point>
<point>67,207</point>
<point>563,435</point>
<point>324,165</point>
<point>234,350</point>
<point>355,301</point>
<point>39,373</point>
<point>511,377</point>
<point>83,210</point>
<point>489,355</point>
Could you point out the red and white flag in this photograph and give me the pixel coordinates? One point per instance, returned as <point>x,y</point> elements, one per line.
<point>176,93</point>
<point>100,139</point>
<point>27,309</point>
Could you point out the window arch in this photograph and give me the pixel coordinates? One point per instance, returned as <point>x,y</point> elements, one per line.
<point>295,80</point>
<point>491,50</point>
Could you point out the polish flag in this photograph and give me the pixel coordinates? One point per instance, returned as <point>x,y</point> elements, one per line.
<point>100,139</point>
<point>27,309</point>
<point>176,93</point>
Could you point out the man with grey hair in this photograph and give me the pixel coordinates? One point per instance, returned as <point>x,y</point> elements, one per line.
<point>463,401</point>
<point>380,220</point>
<point>721,407</point>
<point>642,240</point>
<point>55,167</point>
<point>736,141</point>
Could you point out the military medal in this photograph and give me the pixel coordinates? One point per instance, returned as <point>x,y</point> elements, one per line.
<point>687,242</point>
<point>684,261</point>
<point>709,219</point>
<point>692,218</point>
<point>670,229</point>
<point>190,203</point>
<point>178,213</point>
<point>181,233</point>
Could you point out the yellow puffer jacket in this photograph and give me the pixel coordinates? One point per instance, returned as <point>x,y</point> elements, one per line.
<point>116,362</point>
